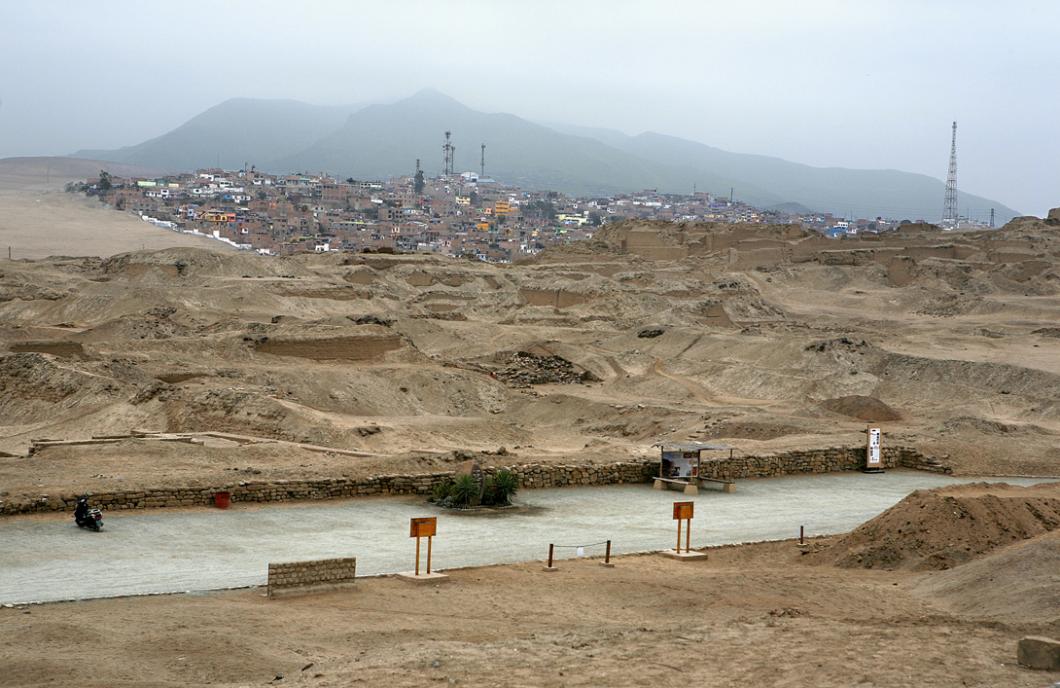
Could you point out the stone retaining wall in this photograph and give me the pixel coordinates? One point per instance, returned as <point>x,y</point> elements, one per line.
<point>311,576</point>
<point>530,476</point>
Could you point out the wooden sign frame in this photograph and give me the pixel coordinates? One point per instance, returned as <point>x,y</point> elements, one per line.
<point>426,526</point>
<point>423,527</point>
<point>683,512</point>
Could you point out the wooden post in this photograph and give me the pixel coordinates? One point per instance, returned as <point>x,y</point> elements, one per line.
<point>607,553</point>
<point>429,538</point>
<point>417,556</point>
<point>802,535</point>
<point>678,536</point>
<point>550,548</point>
<point>688,534</point>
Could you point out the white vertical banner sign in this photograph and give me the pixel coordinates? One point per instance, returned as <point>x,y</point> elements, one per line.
<point>872,457</point>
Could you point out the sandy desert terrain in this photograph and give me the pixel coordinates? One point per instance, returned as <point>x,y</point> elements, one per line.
<point>762,337</point>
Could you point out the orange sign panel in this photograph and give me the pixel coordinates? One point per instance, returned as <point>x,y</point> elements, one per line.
<point>423,527</point>
<point>683,510</point>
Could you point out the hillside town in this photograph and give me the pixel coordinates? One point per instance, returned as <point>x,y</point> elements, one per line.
<point>457,215</point>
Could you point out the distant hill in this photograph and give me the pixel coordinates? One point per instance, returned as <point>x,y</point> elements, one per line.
<point>384,140</point>
<point>236,131</point>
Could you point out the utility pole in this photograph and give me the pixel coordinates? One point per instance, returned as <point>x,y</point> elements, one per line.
<point>732,193</point>
<point>482,164</point>
<point>949,213</point>
<point>991,218</point>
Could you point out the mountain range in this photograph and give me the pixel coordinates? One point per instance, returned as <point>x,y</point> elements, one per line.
<point>385,140</point>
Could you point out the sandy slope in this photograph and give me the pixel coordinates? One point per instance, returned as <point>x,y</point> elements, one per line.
<point>37,219</point>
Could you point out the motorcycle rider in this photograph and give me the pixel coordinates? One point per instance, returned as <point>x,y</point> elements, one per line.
<point>81,510</point>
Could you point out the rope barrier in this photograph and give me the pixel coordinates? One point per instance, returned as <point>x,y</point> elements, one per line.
<point>580,550</point>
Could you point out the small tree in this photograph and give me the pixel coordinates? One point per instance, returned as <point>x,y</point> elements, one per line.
<point>417,182</point>
<point>104,181</point>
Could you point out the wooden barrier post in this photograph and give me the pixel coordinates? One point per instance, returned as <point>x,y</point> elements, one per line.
<point>606,563</point>
<point>430,538</point>
<point>551,552</point>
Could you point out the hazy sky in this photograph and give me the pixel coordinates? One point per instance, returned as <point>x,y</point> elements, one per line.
<point>853,84</point>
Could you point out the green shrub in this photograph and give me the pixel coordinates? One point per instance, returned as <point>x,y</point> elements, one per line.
<point>505,485</point>
<point>489,492</point>
<point>441,491</point>
<point>465,491</point>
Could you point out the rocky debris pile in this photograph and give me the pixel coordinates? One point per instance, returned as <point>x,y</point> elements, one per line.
<point>839,343</point>
<point>371,319</point>
<point>524,369</point>
<point>651,332</point>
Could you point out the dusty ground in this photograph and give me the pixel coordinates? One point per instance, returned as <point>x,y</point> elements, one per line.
<point>750,615</point>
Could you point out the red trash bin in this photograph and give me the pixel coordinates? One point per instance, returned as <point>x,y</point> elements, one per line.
<point>221,500</point>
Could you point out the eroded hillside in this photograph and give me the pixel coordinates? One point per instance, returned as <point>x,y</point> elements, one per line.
<point>764,337</point>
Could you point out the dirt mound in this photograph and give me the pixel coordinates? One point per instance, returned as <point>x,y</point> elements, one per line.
<point>939,529</point>
<point>1018,583</point>
<point>861,407</point>
<point>32,384</point>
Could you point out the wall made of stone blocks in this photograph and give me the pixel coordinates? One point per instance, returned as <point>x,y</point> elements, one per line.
<point>305,576</point>
<point>531,476</point>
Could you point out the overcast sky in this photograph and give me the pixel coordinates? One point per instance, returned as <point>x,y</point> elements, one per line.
<point>853,84</point>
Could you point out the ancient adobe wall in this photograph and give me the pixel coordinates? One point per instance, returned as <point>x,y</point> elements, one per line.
<point>530,476</point>
<point>311,576</point>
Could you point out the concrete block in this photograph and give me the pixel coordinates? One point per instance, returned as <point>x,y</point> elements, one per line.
<point>432,577</point>
<point>1039,652</point>
<point>684,556</point>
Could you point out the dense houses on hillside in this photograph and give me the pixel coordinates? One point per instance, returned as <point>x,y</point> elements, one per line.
<point>457,215</point>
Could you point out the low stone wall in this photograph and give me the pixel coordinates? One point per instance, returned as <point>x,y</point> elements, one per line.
<point>828,460</point>
<point>311,576</point>
<point>530,476</point>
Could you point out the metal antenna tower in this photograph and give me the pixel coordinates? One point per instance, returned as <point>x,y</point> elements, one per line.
<point>447,155</point>
<point>949,213</point>
<point>482,164</point>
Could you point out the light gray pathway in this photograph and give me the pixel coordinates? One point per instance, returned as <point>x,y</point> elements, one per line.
<point>48,559</point>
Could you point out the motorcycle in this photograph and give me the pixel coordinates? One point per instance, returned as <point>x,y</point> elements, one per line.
<point>88,517</point>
